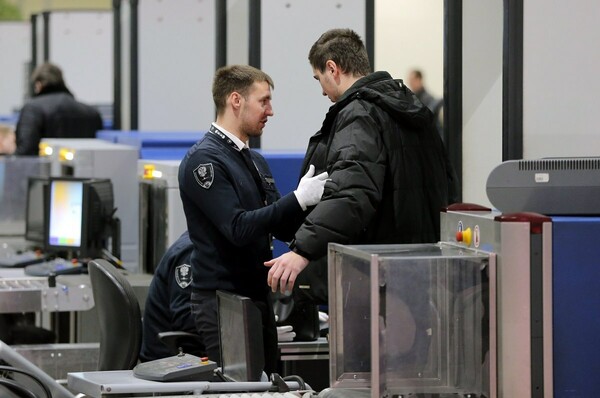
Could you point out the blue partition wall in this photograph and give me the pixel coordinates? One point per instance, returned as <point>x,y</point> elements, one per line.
<point>154,145</point>
<point>576,305</point>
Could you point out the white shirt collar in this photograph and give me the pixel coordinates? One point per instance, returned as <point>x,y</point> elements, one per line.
<point>239,143</point>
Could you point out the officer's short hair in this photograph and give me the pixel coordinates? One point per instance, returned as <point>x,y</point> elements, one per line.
<point>235,78</point>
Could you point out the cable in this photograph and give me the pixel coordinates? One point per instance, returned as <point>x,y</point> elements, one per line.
<point>297,379</point>
<point>31,376</point>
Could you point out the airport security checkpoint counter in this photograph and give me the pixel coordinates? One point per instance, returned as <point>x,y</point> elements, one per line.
<point>242,361</point>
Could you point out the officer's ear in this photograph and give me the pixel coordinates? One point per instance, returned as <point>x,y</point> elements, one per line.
<point>235,100</point>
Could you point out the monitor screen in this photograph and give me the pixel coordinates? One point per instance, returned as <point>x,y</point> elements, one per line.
<point>65,222</point>
<point>79,216</point>
<point>241,337</point>
<point>34,212</point>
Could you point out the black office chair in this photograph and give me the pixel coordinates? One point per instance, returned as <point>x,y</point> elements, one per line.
<point>119,317</point>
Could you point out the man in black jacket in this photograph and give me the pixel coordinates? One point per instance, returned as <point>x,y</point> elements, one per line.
<point>385,159</point>
<point>53,113</point>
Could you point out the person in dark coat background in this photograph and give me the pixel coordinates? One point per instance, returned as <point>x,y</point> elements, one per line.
<point>53,112</point>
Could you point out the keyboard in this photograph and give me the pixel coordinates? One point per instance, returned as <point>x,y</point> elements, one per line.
<point>22,259</point>
<point>58,266</point>
<point>176,368</point>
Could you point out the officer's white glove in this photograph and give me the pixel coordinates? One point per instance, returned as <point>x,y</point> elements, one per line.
<point>310,189</point>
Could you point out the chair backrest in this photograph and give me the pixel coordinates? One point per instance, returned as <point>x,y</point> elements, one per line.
<point>119,317</point>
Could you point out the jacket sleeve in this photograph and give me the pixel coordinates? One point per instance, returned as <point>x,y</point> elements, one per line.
<point>221,203</point>
<point>29,131</point>
<point>179,297</point>
<point>357,166</point>
<point>283,231</point>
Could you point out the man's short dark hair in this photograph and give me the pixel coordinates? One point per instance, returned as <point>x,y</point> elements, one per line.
<point>48,74</point>
<point>235,78</point>
<point>418,74</point>
<point>345,48</point>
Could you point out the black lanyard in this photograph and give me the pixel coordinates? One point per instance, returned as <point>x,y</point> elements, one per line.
<point>247,160</point>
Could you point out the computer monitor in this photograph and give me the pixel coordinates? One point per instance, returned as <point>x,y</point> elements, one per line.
<point>34,210</point>
<point>79,215</point>
<point>240,337</point>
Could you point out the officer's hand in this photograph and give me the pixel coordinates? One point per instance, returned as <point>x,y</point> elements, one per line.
<point>284,271</point>
<point>310,189</point>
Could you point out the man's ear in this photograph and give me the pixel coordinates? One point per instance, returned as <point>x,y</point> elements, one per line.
<point>331,67</point>
<point>235,99</point>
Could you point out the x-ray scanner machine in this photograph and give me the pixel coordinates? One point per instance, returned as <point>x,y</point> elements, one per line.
<point>162,219</point>
<point>93,158</point>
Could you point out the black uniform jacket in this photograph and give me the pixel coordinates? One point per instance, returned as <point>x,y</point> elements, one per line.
<point>228,221</point>
<point>168,302</point>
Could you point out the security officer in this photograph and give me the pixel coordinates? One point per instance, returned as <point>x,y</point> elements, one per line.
<point>168,303</point>
<point>232,206</point>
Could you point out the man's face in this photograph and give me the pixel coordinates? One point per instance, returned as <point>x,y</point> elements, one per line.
<point>414,83</point>
<point>327,82</point>
<point>256,109</point>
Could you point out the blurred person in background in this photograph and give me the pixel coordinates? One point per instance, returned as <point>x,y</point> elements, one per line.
<point>7,140</point>
<point>53,112</point>
<point>435,105</point>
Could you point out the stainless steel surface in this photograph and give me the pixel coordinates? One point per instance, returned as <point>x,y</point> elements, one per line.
<point>57,360</point>
<point>511,241</point>
<point>107,383</point>
<point>13,358</point>
<point>21,294</point>
<point>14,172</point>
<point>33,294</point>
<point>548,321</point>
<point>304,350</point>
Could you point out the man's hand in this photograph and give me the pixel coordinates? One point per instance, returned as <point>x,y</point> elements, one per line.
<point>284,270</point>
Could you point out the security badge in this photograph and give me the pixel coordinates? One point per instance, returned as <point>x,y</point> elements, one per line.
<point>183,275</point>
<point>204,175</point>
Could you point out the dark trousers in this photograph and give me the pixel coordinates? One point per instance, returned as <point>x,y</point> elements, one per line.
<point>205,313</point>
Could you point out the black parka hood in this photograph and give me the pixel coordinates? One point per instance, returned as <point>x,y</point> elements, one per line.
<point>390,95</point>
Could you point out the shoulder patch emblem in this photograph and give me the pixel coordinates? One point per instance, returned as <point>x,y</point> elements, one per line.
<point>183,275</point>
<point>204,175</point>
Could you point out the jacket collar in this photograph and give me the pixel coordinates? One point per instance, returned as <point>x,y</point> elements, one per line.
<point>53,88</point>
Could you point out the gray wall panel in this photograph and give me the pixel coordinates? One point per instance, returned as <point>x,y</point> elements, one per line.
<point>560,78</point>
<point>15,40</point>
<point>289,28</point>
<point>81,43</point>
<point>176,64</point>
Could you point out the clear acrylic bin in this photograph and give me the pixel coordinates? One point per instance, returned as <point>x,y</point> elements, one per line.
<point>412,319</point>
